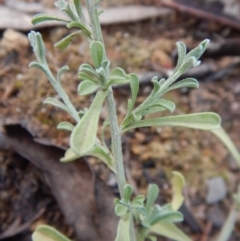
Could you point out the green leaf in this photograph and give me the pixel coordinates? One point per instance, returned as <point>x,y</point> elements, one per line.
<point>38,65</point>
<point>87,87</point>
<point>202,121</point>
<point>134,85</point>
<point>39,18</point>
<point>84,134</point>
<point>169,230</point>
<point>105,64</point>
<point>152,194</point>
<point>181,53</point>
<point>47,233</point>
<point>78,8</point>
<point>38,46</point>
<point>77,24</point>
<point>156,86</point>
<point>123,230</point>
<point>88,69</point>
<point>87,76</point>
<point>61,71</point>
<point>96,151</point>
<point>97,53</point>
<point>192,61</point>
<point>64,43</point>
<point>127,192</point>
<point>55,102</point>
<point>118,73</point>
<point>226,140</point>
<point>159,105</point>
<point>61,4</point>
<point>117,82</point>
<point>151,97</point>
<point>69,155</point>
<point>120,210</point>
<point>118,76</point>
<point>199,50</point>
<point>164,214</point>
<point>178,183</point>
<point>65,126</point>
<point>185,83</point>
<point>139,198</point>
<point>103,154</point>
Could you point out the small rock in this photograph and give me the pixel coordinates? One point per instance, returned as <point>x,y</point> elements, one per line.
<point>13,40</point>
<point>112,181</point>
<point>217,190</point>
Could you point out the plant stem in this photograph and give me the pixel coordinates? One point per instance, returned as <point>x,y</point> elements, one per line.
<point>113,121</point>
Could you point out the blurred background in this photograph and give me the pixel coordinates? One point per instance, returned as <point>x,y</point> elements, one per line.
<point>140,36</point>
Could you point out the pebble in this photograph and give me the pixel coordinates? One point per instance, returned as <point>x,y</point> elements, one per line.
<point>13,40</point>
<point>217,190</point>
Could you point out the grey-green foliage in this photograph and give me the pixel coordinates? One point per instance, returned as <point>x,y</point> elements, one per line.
<point>154,103</point>
<point>146,214</point>
<point>84,139</point>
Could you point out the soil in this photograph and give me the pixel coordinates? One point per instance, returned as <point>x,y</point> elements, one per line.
<point>150,153</point>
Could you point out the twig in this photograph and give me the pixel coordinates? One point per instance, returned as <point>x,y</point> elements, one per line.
<point>199,13</point>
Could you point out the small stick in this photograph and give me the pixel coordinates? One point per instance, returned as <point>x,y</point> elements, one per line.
<point>200,13</point>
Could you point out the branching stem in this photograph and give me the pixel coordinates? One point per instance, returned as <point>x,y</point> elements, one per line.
<point>113,120</point>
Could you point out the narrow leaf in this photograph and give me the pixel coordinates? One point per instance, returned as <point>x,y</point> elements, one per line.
<point>48,233</point>
<point>161,103</point>
<point>181,53</point>
<point>96,151</point>
<point>164,214</point>
<point>178,183</point>
<point>78,8</point>
<point>199,50</point>
<point>97,53</point>
<point>134,85</point>
<point>77,24</point>
<point>64,43</point>
<point>37,44</point>
<point>87,87</point>
<point>106,64</point>
<point>39,18</point>
<point>117,82</point>
<point>169,230</point>
<point>226,140</point>
<point>55,102</point>
<point>84,67</point>
<point>152,194</point>
<point>69,155</point>
<point>87,76</point>
<point>103,154</point>
<point>61,71</point>
<point>127,192</point>
<point>123,230</point>
<point>202,121</point>
<point>84,134</point>
<point>185,83</point>
<point>38,65</point>
<point>65,126</point>
<point>192,61</point>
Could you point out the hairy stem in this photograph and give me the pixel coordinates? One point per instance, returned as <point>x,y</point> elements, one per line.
<point>113,121</point>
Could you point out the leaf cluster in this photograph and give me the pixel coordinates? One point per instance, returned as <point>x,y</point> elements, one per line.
<point>144,210</point>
